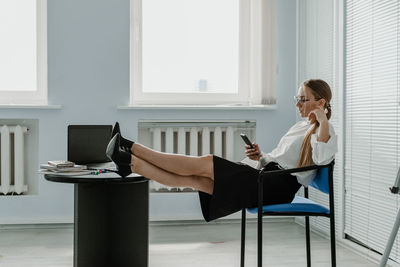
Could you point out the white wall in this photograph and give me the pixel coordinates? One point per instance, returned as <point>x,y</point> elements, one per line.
<point>88,61</point>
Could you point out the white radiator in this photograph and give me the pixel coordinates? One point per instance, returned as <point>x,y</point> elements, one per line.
<point>12,160</point>
<point>195,138</point>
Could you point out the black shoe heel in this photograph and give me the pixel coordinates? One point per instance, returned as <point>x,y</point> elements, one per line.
<point>115,130</point>
<point>121,158</point>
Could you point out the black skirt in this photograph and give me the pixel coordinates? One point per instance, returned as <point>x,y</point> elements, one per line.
<point>235,188</point>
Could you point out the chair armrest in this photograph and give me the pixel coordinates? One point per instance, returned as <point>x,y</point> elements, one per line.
<point>294,170</point>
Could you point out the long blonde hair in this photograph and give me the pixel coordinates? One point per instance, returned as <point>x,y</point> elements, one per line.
<point>320,90</point>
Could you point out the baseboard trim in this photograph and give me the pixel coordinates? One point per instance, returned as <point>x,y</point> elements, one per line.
<point>220,221</point>
<point>37,226</point>
<point>151,223</point>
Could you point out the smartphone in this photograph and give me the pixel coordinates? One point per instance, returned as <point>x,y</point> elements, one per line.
<point>246,140</point>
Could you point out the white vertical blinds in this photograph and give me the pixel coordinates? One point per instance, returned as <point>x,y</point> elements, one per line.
<point>372,84</point>
<point>316,53</point>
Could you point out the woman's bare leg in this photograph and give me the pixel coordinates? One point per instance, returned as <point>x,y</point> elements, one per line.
<point>142,167</point>
<point>176,163</point>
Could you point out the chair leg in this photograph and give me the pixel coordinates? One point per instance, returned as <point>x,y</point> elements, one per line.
<point>308,241</point>
<point>259,240</point>
<point>243,238</point>
<point>333,241</point>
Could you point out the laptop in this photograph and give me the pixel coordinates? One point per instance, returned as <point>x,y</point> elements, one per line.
<point>87,146</point>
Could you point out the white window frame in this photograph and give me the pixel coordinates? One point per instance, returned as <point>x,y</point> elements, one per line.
<point>39,96</point>
<point>138,97</point>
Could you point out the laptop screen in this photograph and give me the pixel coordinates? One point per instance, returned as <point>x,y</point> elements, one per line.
<point>88,143</point>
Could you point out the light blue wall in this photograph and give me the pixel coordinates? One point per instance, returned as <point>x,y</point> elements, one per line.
<point>88,61</point>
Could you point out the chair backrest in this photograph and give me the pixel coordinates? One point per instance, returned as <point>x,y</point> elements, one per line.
<point>321,180</point>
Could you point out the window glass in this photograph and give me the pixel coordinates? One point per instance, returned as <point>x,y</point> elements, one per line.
<point>18,46</point>
<point>190,46</point>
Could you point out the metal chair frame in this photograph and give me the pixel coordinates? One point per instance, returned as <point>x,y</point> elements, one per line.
<point>260,214</point>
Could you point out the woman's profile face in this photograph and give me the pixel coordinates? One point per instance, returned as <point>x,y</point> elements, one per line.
<point>306,102</point>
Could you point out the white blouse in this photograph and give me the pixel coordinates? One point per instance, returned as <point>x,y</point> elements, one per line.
<point>287,153</point>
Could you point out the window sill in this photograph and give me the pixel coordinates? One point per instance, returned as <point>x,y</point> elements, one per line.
<point>197,107</point>
<point>24,106</point>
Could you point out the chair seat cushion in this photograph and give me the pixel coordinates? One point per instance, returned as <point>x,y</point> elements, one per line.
<point>299,204</point>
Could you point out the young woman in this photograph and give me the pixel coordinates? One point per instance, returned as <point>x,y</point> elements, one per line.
<point>226,187</point>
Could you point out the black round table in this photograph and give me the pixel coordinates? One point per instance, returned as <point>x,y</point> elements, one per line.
<point>111,216</point>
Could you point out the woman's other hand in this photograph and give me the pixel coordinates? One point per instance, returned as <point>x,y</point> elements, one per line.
<point>253,153</point>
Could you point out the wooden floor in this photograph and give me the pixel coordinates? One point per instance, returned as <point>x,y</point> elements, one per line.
<point>181,245</point>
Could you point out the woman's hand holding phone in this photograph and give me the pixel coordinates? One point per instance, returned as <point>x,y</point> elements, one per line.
<point>253,153</point>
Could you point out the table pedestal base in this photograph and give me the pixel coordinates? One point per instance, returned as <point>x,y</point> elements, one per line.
<point>111,224</point>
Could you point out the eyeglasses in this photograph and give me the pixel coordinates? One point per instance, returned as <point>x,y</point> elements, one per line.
<point>301,100</point>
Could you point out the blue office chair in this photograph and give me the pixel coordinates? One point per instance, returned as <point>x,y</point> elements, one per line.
<point>300,206</point>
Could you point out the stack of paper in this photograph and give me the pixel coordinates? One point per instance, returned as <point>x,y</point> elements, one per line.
<point>63,168</point>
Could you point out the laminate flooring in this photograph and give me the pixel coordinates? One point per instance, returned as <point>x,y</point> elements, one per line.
<point>177,244</point>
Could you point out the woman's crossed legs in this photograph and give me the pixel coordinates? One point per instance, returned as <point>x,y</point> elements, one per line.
<point>173,169</point>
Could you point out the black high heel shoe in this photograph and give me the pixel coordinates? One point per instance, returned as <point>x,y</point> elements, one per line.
<point>115,129</point>
<point>125,144</point>
<point>121,158</point>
